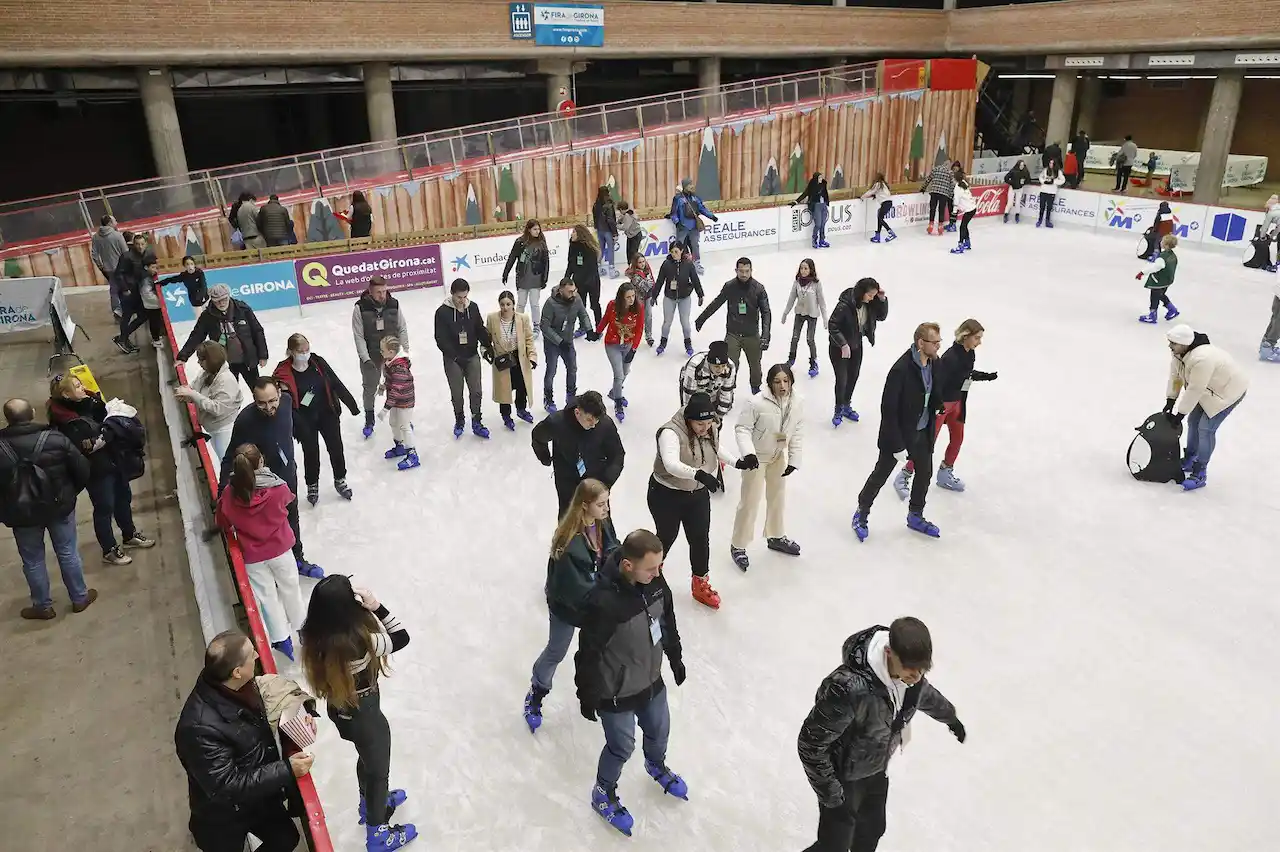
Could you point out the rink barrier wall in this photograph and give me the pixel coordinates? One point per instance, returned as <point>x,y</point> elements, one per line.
<point>183,421</point>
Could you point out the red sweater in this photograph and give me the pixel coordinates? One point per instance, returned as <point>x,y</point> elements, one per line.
<point>628,332</point>
<point>263,525</point>
<point>399,383</point>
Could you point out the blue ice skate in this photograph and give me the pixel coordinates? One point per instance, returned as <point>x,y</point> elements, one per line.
<point>860,526</point>
<point>606,804</point>
<point>395,798</point>
<point>947,479</point>
<point>672,784</point>
<point>902,483</point>
<point>917,523</point>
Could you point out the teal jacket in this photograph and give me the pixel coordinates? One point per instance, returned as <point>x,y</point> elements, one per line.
<point>570,578</point>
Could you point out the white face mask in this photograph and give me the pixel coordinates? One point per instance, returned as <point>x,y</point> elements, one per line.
<point>300,359</point>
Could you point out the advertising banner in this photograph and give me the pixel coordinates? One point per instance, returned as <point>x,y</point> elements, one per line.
<point>564,25</point>
<point>1227,227</point>
<point>1073,207</point>
<point>263,286</point>
<point>484,259</point>
<point>907,210</point>
<point>991,200</point>
<point>843,217</point>
<point>24,303</point>
<point>344,276</point>
<point>741,229</point>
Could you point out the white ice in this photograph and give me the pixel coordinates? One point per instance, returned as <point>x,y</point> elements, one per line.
<point>1106,641</point>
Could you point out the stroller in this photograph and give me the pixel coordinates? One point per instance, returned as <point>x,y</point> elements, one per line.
<point>1159,442</point>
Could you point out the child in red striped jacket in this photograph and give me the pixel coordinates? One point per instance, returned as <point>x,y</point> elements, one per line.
<point>397,383</point>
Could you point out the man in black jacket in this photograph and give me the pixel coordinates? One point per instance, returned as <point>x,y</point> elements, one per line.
<point>41,472</point>
<point>268,425</point>
<point>460,332</point>
<point>275,223</point>
<point>126,282</point>
<point>859,719</point>
<point>629,623</point>
<point>232,323</point>
<point>577,443</point>
<point>747,325</point>
<point>237,782</point>
<point>377,315</point>
<point>907,408</point>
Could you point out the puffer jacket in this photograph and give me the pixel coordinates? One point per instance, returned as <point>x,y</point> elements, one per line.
<point>747,309</point>
<point>843,327</point>
<point>233,764</point>
<point>767,427</point>
<point>1017,177</point>
<point>275,222</point>
<point>964,200</point>
<point>618,664</point>
<point>64,465</point>
<point>941,180</point>
<point>1205,376</point>
<point>851,731</point>
<point>218,399</point>
<point>558,318</point>
<point>571,577</point>
<point>696,377</point>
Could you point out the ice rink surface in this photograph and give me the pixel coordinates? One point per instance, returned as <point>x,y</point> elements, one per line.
<point>1106,642</point>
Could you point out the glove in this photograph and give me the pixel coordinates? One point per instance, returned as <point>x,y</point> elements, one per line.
<point>1139,276</point>
<point>790,470</point>
<point>699,301</point>
<point>708,481</point>
<point>546,460</point>
<point>1168,405</point>
<point>588,712</point>
<point>715,218</point>
<point>1175,420</point>
<point>979,376</point>
<point>764,346</point>
<point>593,336</point>
<point>630,356</point>
<point>747,462</point>
<point>697,324</point>
<point>383,414</point>
<point>957,729</point>
<point>678,672</point>
<point>504,281</point>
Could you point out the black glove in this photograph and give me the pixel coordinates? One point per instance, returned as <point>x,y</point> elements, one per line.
<point>1168,405</point>
<point>790,470</point>
<point>678,672</point>
<point>697,324</point>
<point>717,219</point>
<point>708,481</point>
<point>747,462</point>
<point>978,376</point>
<point>957,729</point>
<point>630,356</point>
<point>588,712</point>
<point>545,459</point>
<point>764,345</point>
<point>1175,420</point>
<point>593,336</point>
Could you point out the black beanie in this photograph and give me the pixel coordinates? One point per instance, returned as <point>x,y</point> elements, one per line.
<point>718,352</point>
<point>699,408</point>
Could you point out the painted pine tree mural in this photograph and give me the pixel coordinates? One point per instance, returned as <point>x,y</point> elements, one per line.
<point>708,168</point>
<point>508,195</point>
<point>916,154</point>
<point>797,180</point>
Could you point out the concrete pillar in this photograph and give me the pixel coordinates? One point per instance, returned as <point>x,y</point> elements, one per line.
<point>379,101</point>
<point>709,78</point>
<point>948,5</point>
<point>559,73</point>
<point>1220,126</point>
<point>1061,108</point>
<point>840,2</point>
<point>162,122</point>
<point>1090,97</point>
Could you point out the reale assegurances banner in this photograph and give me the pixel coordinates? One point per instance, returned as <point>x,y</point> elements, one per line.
<point>344,276</point>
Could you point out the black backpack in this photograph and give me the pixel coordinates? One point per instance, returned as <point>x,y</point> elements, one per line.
<point>128,445</point>
<point>1163,439</point>
<point>28,492</point>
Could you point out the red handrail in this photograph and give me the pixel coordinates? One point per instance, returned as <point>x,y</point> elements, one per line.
<point>317,828</point>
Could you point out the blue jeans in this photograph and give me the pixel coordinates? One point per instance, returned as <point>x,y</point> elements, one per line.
<point>689,236</point>
<point>617,354</point>
<point>620,738</point>
<point>606,247</point>
<point>544,668</point>
<point>112,499</point>
<point>669,306</point>
<point>554,354</point>
<point>1202,432</point>
<point>819,222</point>
<point>30,540</point>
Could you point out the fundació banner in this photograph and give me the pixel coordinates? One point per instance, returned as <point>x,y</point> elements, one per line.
<point>344,276</point>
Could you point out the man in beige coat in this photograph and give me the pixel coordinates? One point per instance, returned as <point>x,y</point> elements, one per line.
<point>1205,385</point>
<point>512,336</point>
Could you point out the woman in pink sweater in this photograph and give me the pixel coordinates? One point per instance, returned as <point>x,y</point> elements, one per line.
<point>255,507</point>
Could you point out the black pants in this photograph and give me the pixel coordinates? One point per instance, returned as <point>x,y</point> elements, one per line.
<point>1046,206</point>
<point>800,323</point>
<point>367,729</point>
<point>566,484</point>
<point>519,392</point>
<point>294,525</point>
<point>847,371</point>
<point>672,509</point>
<point>591,297</point>
<point>1122,177</point>
<point>270,823</point>
<point>921,454</point>
<point>939,205</point>
<point>964,225</point>
<point>633,247</point>
<point>859,822</point>
<point>308,429</point>
<point>151,317</point>
<point>885,207</point>
<point>1158,295</point>
<point>248,372</point>
<point>130,307</point>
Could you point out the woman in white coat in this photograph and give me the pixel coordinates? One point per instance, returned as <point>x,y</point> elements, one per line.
<point>1205,385</point>
<point>770,436</point>
<point>966,206</point>
<point>216,394</point>
<point>1050,179</point>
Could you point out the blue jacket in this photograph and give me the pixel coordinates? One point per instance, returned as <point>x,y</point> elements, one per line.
<point>273,436</point>
<point>681,215</point>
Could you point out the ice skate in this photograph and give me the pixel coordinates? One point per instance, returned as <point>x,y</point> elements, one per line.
<point>688,347</point>
<point>523,414</point>
<point>343,489</point>
<point>703,593</point>
<point>968,246</point>
<point>1039,222</point>
<point>395,798</point>
<point>822,243</point>
<point>662,346</point>
<point>1172,312</point>
<point>1006,218</point>
<point>782,544</point>
<point>508,422</point>
<point>367,431</point>
<point>891,236</point>
<point>930,230</point>
<point>1048,224</point>
<point>1188,462</point>
<point>308,569</point>
<point>606,804</point>
<point>1268,353</point>
<point>875,238</point>
<point>478,428</point>
<point>739,556</point>
<point>619,412</point>
<point>533,708</point>
<point>859,525</point>
<point>672,784</point>
<point>958,249</point>
<point>313,493</point>
<point>951,228</point>
<point>837,418</point>
<point>916,523</point>
<point>1197,478</point>
<point>902,483</point>
<point>1148,318</point>
<point>623,400</point>
<point>849,414</point>
<point>395,452</point>
<point>459,426</point>
<point>813,368</point>
<point>947,479</point>
<point>1017,218</point>
<point>409,461</point>
<point>385,838</point>
<point>549,404</point>
<point>285,646</point>
<point>648,340</point>
<point>613,273</point>
<point>702,270</point>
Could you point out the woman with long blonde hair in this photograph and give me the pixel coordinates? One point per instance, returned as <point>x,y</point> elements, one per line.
<point>584,257</point>
<point>583,539</point>
<point>346,640</point>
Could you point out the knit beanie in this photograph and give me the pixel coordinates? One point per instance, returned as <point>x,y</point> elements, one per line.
<point>699,408</point>
<point>718,353</point>
<point>1182,334</point>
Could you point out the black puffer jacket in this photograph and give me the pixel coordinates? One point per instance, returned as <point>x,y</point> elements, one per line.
<point>274,222</point>
<point>903,402</point>
<point>843,325</point>
<point>560,440</point>
<point>233,764</point>
<point>676,280</point>
<point>851,731</point>
<point>64,465</point>
<point>532,257</point>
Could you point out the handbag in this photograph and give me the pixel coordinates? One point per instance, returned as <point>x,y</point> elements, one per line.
<point>505,361</point>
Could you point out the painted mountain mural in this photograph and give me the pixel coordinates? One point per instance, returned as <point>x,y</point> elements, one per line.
<point>772,184</point>
<point>473,215</point>
<point>837,179</point>
<point>708,168</point>
<point>324,225</point>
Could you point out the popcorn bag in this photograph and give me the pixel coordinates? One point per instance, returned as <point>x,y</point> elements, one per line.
<point>299,728</point>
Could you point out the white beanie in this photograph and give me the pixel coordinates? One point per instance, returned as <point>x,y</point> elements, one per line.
<point>1181,334</point>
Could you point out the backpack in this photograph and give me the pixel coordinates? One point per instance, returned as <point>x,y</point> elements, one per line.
<point>28,492</point>
<point>128,445</point>
<point>1162,439</point>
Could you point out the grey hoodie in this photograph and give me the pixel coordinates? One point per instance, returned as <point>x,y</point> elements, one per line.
<point>264,478</point>
<point>558,319</point>
<point>106,248</point>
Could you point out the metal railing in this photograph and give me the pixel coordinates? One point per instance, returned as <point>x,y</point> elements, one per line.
<point>337,170</point>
